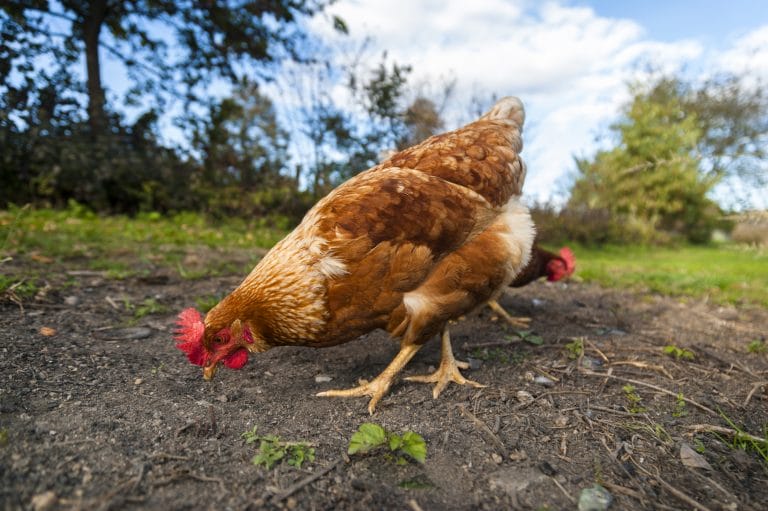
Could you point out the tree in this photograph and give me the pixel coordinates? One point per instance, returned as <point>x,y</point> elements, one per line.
<point>241,143</point>
<point>422,120</point>
<point>651,180</point>
<point>213,39</point>
<point>732,117</point>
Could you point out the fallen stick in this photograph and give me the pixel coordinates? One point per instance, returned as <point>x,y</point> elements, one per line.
<point>674,491</point>
<point>707,428</point>
<point>654,387</point>
<point>495,440</point>
<point>301,484</point>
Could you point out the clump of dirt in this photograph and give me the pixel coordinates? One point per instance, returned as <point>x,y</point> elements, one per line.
<point>98,410</point>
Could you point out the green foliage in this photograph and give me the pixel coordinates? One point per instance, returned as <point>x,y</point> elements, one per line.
<point>678,353</point>
<point>757,346</point>
<point>575,348</point>
<point>3,437</point>
<point>18,289</point>
<point>530,337</point>
<point>370,436</point>
<point>633,398</point>
<point>680,410</point>
<point>118,242</point>
<point>650,181</point>
<point>746,442</point>
<point>272,450</point>
<point>148,306</point>
<point>206,303</point>
<point>722,274</point>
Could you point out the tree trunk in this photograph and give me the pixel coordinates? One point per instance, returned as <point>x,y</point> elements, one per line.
<point>94,19</point>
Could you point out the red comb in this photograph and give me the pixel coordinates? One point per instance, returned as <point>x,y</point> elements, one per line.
<point>189,335</point>
<point>566,254</point>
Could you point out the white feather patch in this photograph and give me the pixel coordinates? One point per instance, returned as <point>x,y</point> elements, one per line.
<point>521,232</point>
<point>331,266</point>
<point>416,303</point>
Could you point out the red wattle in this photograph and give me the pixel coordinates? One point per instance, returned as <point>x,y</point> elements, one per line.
<point>237,359</point>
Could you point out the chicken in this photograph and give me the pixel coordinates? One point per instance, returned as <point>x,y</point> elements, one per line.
<point>422,238</point>
<point>541,264</point>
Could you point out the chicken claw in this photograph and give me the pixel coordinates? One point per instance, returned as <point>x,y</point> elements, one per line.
<point>380,385</point>
<point>448,370</point>
<point>515,322</point>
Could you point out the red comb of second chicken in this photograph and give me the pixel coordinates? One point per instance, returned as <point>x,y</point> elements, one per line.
<point>189,335</point>
<point>570,260</point>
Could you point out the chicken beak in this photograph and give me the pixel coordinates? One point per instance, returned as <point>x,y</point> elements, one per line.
<point>209,371</point>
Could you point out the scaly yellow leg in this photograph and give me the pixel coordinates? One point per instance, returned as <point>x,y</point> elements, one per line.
<point>448,370</point>
<point>380,385</point>
<point>515,322</point>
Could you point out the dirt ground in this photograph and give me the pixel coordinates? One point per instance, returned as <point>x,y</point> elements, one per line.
<point>103,412</point>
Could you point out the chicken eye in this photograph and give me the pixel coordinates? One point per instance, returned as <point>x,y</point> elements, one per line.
<point>218,340</point>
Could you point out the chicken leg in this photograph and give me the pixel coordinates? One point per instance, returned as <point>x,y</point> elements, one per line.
<point>515,322</point>
<point>380,385</point>
<point>448,370</point>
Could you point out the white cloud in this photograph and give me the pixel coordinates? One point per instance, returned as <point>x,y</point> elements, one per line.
<point>748,54</point>
<point>569,65</point>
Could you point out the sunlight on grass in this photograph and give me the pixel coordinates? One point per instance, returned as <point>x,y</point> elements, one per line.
<point>121,245</point>
<point>195,247</point>
<point>723,274</point>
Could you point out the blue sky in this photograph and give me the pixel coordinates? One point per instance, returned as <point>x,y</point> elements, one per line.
<point>710,21</point>
<point>569,61</point>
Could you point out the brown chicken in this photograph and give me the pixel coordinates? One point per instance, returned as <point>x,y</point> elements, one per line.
<point>424,237</point>
<point>541,264</point>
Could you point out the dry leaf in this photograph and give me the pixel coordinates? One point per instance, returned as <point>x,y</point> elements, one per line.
<point>47,331</point>
<point>40,258</point>
<point>693,459</point>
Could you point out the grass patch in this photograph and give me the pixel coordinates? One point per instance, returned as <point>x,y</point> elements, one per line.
<point>123,246</point>
<point>724,274</point>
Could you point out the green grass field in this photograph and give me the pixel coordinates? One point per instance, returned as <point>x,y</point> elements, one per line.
<point>123,246</point>
<point>723,274</point>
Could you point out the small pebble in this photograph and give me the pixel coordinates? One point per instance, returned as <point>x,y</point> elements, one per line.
<point>496,458</point>
<point>138,381</point>
<point>596,498</point>
<point>44,501</point>
<point>71,300</point>
<point>524,397</point>
<point>322,378</point>
<point>543,380</point>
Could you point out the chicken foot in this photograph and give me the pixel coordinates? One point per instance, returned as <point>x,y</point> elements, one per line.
<point>380,385</point>
<point>516,322</point>
<point>448,370</point>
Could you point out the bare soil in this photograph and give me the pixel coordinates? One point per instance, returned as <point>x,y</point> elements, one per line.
<point>102,412</point>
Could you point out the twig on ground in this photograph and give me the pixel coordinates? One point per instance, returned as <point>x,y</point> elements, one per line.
<point>610,410</point>
<point>671,489</point>
<point>494,439</point>
<point>565,492</point>
<point>550,393</point>
<point>304,482</point>
<point>181,474</point>
<point>643,365</point>
<point>755,387</point>
<point>112,303</point>
<point>615,488</point>
<point>602,355</point>
<point>546,374</point>
<point>654,387</point>
<point>710,428</point>
<point>414,505</point>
